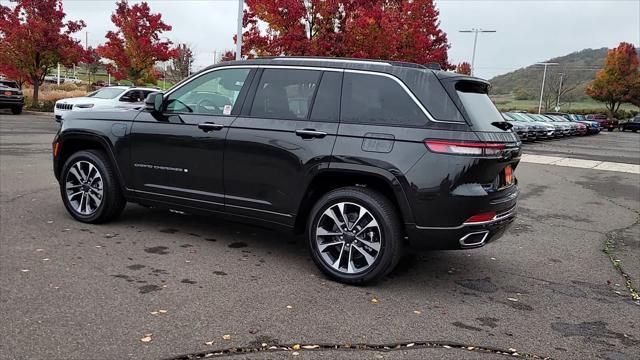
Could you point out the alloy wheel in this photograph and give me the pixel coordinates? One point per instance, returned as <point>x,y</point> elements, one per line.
<point>348,238</point>
<point>84,187</point>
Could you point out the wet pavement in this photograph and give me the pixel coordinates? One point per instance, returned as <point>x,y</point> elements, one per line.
<point>558,284</point>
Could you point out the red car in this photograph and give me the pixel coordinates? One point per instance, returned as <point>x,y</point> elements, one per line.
<point>604,121</point>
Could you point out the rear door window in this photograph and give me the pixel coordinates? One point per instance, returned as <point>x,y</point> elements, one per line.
<point>326,106</point>
<point>479,108</point>
<point>285,94</point>
<point>378,100</point>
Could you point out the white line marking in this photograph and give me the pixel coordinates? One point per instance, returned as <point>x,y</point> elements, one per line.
<point>580,163</point>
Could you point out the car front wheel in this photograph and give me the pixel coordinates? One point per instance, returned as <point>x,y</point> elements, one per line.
<point>354,235</point>
<point>16,110</point>
<point>89,187</point>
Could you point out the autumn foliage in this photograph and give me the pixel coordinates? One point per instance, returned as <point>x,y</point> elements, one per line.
<point>464,68</point>
<point>136,45</point>
<point>379,29</point>
<point>34,38</point>
<point>619,81</point>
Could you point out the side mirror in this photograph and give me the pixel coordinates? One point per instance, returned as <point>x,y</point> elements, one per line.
<point>153,102</point>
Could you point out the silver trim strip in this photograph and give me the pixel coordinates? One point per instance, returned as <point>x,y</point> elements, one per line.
<point>499,217</point>
<point>475,244</point>
<point>406,89</point>
<point>298,67</point>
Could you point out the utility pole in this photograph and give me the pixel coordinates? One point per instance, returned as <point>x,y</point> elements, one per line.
<point>544,77</point>
<point>559,92</point>
<point>239,31</point>
<point>475,43</point>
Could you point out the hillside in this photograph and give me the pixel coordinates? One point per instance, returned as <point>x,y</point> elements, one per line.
<point>579,69</point>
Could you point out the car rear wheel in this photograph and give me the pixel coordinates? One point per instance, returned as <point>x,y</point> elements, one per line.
<point>89,187</point>
<point>16,110</point>
<point>354,235</point>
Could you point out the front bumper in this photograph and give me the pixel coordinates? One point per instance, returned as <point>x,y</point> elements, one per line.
<point>9,102</point>
<point>465,236</point>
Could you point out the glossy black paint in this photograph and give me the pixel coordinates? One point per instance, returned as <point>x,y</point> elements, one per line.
<point>264,169</point>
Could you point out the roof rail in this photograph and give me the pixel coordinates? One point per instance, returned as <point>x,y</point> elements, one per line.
<point>329,59</point>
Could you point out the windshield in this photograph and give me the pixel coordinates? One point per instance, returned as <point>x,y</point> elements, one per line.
<point>519,117</point>
<point>106,93</point>
<point>11,84</point>
<point>479,107</point>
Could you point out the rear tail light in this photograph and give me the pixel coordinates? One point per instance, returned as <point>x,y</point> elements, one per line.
<point>464,148</point>
<point>481,217</point>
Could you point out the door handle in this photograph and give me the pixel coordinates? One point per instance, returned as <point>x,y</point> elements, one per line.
<point>208,126</point>
<point>310,134</point>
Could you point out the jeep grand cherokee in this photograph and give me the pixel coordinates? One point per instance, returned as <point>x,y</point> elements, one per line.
<point>364,157</point>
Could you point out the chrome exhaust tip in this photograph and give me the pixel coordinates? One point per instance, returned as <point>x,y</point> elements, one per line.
<point>474,239</point>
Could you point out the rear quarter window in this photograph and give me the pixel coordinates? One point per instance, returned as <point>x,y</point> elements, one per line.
<point>480,110</point>
<point>378,100</point>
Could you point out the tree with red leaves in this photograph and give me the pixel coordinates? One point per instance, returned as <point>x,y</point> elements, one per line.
<point>399,30</point>
<point>34,38</point>
<point>136,46</point>
<point>619,81</point>
<point>463,68</point>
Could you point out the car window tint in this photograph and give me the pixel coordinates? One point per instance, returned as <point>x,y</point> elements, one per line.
<point>326,106</point>
<point>379,100</point>
<point>214,93</point>
<point>285,93</point>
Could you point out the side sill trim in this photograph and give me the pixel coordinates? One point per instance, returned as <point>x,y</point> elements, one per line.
<point>210,202</point>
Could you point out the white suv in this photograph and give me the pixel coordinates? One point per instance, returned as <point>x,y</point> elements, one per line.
<point>108,98</point>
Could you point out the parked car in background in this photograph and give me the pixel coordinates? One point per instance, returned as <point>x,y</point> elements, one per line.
<point>593,127</point>
<point>382,155</point>
<point>107,98</point>
<point>632,124</point>
<point>560,129</point>
<point>11,96</point>
<point>72,80</point>
<point>588,128</point>
<point>546,130</point>
<point>604,121</point>
<point>574,128</point>
<point>99,83</point>
<point>521,128</point>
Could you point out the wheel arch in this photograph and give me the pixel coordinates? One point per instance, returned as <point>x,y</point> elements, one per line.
<point>72,142</point>
<point>334,177</point>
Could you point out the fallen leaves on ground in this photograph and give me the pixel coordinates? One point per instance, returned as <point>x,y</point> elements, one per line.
<point>146,338</point>
<point>226,337</point>
<point>374,300</point>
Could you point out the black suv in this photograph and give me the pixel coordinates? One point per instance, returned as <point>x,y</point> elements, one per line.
<point>11,96</point>
<point>365,157</point>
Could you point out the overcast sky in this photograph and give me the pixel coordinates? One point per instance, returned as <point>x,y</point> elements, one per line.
<point>528,31</point>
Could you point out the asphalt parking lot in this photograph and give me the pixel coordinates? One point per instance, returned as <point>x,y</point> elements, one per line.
<point>194,286</point>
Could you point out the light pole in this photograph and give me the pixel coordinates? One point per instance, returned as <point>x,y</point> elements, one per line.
<point>559,92</point>
<point>544,77</point>
<point>475,43</point>
<point>239,31</point>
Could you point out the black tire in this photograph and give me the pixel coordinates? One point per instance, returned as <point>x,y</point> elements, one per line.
<point>610,129</point>
<point>16,110</point>
<point>385,215</point>
<point>112,202</point>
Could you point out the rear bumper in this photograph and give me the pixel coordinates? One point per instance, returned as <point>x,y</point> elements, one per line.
<point>465,236</point>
